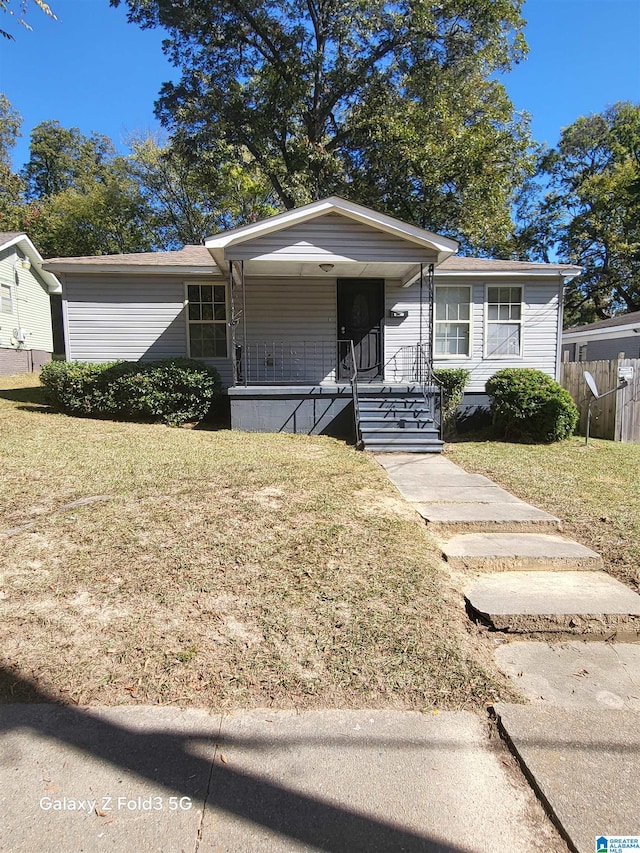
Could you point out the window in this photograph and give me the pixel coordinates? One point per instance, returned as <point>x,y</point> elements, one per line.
<point>452,321</point>
<point>504,322</point>
<point>6,302</point>
<point>582,352</point>
<point>207,312</point>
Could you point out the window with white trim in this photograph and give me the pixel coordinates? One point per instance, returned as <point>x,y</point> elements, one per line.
<point>6,300</point>
<point>207,313</point>
<point>504,322</point>
<point>452,321</point>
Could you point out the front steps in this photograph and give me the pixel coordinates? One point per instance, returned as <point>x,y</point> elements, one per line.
<point>398,418</point>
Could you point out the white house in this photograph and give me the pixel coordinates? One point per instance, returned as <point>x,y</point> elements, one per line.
<point>26,338</point>
<point>307,311</point>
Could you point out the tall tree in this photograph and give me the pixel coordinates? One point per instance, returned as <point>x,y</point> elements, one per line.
<point>588,211</point>
<point>191,196</point>
<point>11,185</point>
<point>389,102</point>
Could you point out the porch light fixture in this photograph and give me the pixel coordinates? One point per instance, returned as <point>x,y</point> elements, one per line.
<point>22,263</point>
<point>326,267</point>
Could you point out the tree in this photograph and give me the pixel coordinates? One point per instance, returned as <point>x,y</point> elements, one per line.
<point>62,158</point>
<point>387,102</point>
<point>6,6</point>
<point>587,211</point>
<point>189,197</point>
<point>11,185</point>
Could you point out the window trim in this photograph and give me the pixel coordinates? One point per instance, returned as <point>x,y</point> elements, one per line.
<point>10,298</point>
<point>487,322</point>
<point>445,356</point>
<point>208,283</point>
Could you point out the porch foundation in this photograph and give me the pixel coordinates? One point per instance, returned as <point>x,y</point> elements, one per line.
<point>304,409</point>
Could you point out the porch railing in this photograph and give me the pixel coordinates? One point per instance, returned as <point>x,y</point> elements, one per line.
<point>411,363</point>
<point>298,362</point>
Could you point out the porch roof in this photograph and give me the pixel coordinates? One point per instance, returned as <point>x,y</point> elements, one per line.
<point>354,240</point>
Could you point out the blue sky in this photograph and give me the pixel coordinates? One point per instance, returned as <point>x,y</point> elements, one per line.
<point>93,70</point>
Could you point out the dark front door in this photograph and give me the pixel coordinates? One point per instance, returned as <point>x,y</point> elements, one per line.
<point>360,313</point>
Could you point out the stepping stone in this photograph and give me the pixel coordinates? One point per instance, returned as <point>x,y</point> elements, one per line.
<point>488,517</point>
<point>576,674</point>
<point>521,551</point>
<point>569,602</point>
<point>583,764</point>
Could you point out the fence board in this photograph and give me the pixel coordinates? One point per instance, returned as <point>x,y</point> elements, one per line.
<point>616,417</point>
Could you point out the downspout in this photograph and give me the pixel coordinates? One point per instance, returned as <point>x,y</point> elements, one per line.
<point>560,325</point>
<point>65,318</point>
<point>232,323</point>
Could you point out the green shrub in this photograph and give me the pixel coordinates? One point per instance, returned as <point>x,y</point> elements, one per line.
<point>173,391</point>
<point>453,381</point>
<point>528,405</point>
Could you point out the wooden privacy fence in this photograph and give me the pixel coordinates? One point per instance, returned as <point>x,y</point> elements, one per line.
<point>616,417</point>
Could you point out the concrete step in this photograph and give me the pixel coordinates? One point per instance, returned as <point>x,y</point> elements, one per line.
<point>417,405</point>
<point>574,674</point>
<point>517,552</point>
<point>398,446</point>
<point>555,602</point>
<point>398,434</point>
<point>499,515</point>
<point>420,415</point>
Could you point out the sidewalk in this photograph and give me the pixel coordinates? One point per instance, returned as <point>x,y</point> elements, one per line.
<point>161,779</point>
<point>540,597</point>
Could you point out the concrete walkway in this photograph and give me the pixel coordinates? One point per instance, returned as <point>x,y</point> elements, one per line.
<point>161,779</point>
<point>577,741</point>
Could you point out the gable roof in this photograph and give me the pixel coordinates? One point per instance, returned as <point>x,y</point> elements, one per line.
<point>443,246</point>
<point>630,319</point>
<point>189,259</point>
<point>20,239</point>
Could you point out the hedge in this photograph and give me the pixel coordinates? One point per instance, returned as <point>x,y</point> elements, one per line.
<point>528,405</point>
<point>172,391</point>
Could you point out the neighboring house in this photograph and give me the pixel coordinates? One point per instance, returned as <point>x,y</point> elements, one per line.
<point>276,306</point>
<point>605,340</point>
<point>26,338</point>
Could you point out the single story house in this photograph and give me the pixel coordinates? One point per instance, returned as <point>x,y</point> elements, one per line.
<point>320,311</point>
<point>26,337</point>
<point>604,340</point>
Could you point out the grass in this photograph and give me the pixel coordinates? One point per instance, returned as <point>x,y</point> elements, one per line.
<point>219,570</point>
<point>594,489</point>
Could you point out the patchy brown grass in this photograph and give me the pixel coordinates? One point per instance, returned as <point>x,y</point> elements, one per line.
<point>219,570</point>
<point>594,489</point>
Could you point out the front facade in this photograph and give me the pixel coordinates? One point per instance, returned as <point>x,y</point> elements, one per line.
<point>286,307</point>
<point>605,340</point>
<point>26,337</point>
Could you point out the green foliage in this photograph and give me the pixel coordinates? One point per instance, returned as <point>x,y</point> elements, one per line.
<point>528,405</point>
<point>453,381</point>
<point>173,391</point>
<point>391,104</point>
<point>586,210</point>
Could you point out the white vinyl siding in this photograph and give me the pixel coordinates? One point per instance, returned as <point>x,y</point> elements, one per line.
<point>504,322</point>
<point>331,237</point>
<point>539,334</point>
<point>291,329</point>
<point>452,321</point>
<point>117,317</point>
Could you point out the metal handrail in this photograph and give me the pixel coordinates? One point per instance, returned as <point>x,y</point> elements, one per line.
<point>354,394</point>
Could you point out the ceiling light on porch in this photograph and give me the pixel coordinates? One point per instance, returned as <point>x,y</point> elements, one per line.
<point>326,267</point>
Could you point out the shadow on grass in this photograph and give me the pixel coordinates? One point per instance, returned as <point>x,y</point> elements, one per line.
<point>169,758</point>
<point>34,395</point>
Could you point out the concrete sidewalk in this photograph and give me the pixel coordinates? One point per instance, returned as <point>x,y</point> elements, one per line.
<point>162,779</point>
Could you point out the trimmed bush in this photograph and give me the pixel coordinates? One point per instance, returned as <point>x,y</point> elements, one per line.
<point>453,381</point>
<point>528,405</point>
<point>172,391</point>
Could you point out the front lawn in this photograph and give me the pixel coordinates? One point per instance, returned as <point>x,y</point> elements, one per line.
<point>218,569</point>
<point>595,489</point>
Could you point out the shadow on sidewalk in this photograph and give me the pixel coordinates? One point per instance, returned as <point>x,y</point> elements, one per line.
<point>170,759</point>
